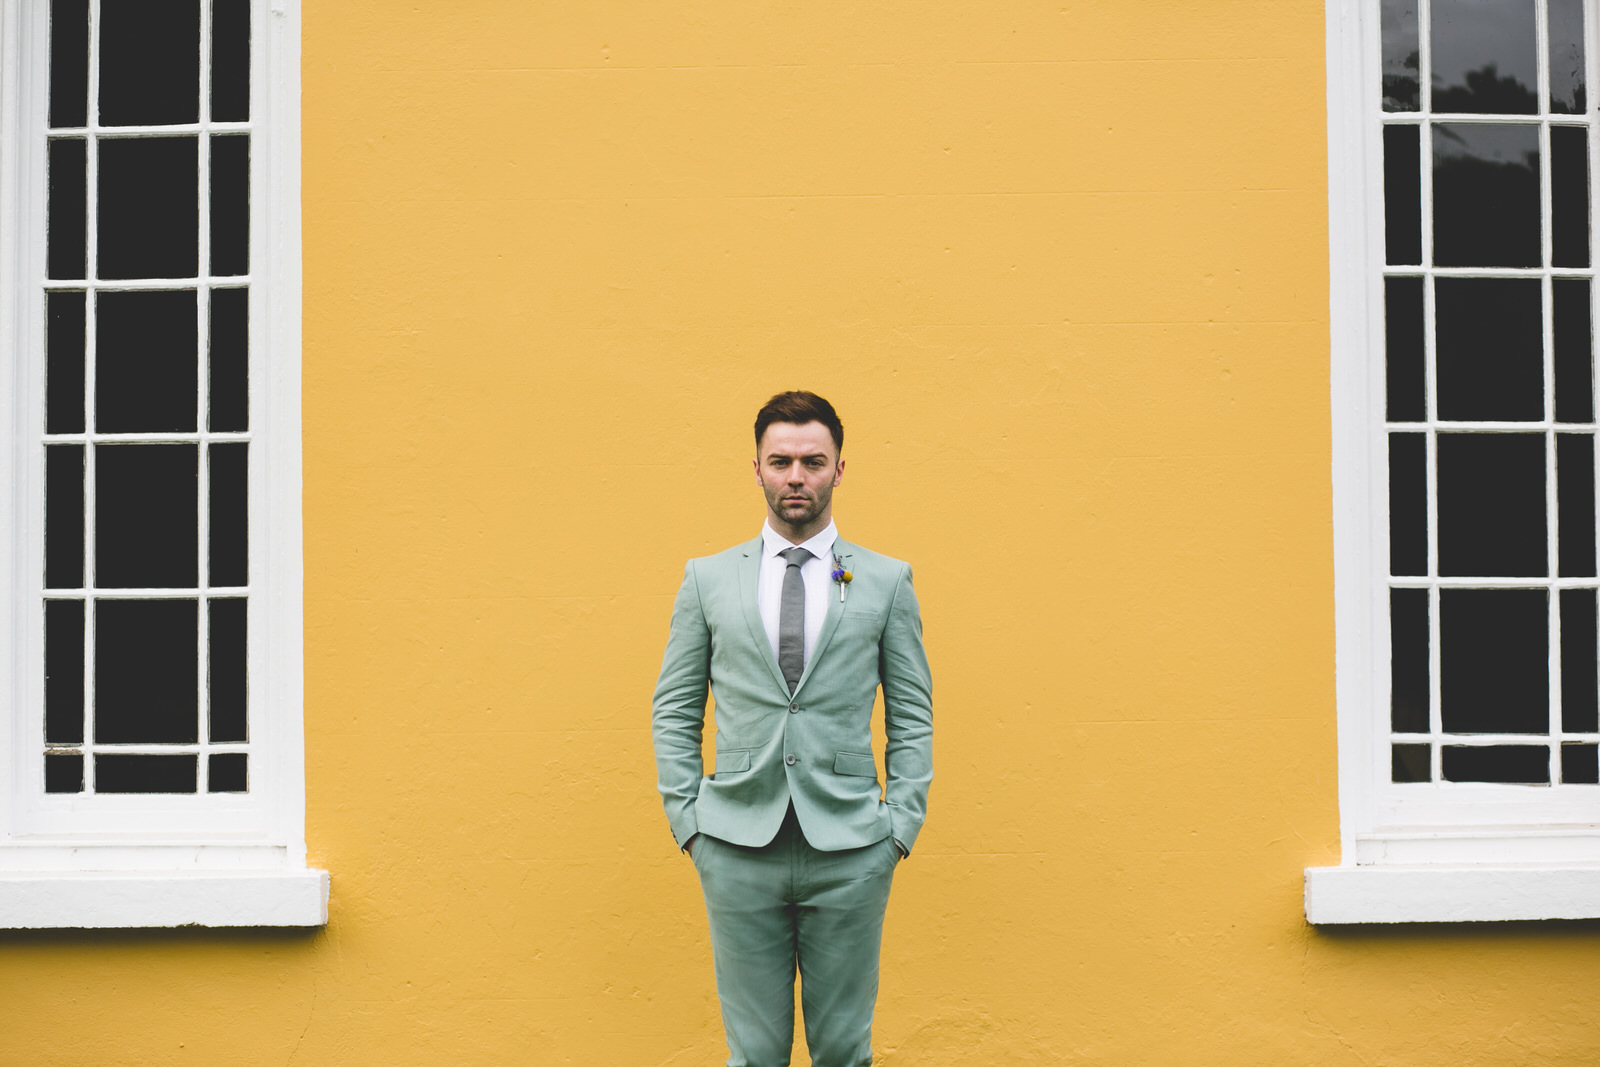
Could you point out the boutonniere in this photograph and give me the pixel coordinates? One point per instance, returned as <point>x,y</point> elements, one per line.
<point>840,575</point>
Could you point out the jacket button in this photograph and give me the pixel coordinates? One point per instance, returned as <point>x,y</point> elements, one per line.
<point>793,708</point>
<point>789,759</point>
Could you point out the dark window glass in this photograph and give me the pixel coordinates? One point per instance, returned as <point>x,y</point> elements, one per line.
<point>1567,96</point>
<point>63,773</point>
<point>63,517</point>
<point>1569,196</point>
<point>1574,351</point>
<point>145,774</point>
<point>1402,194</point>
<point>1575,504</point>
<point>149,208</point>
<point>1484,56</point>
<point>69,63</point>
<point>149,62</point>
<point>1408,504</point>
<point>227,772</point>
<point>1403,349</point>
<point>230,60</point>
<point>230,513</point>
<point>230,205</point>
<point>1485,195</point>
<point>67,239</point>
<point>64,363</point>
<point>146,517</point>
<point>63,672</point>
<point>145,671</point>
<point>1578,661</point>
<point>1579,765</point>
<point>1400,56</point>
<point>227,671</point>
<point>1490,337</point>
<point>230,360</point>
<point>1408,660</point>
<point>1506,764</point>
<point>1494,669</point>
<point>145,362</point>
<point>1492,505</point>
<point>1409,763</point>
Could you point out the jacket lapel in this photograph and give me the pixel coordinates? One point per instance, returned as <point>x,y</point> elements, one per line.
<point>749,569</point>
<point>830,622</point>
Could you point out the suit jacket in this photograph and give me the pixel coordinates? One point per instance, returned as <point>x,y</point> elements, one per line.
<point>814,748</point>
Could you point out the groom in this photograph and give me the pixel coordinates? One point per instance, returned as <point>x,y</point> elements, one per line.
<point>795,842</point>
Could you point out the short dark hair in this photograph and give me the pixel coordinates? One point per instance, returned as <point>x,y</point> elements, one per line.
<point>799,407</point>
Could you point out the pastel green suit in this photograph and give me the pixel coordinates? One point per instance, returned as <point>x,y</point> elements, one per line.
<point>796,852</point>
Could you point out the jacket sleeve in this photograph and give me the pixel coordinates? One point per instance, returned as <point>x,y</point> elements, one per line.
<point>908,715</point>
<point>678,711</point>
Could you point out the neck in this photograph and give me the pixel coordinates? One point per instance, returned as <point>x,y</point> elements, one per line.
<point>798,535</point>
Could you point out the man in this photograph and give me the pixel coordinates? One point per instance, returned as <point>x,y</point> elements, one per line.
<point>794,842</point>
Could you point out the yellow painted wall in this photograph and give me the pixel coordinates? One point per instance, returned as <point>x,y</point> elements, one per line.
<point>1063,269</point>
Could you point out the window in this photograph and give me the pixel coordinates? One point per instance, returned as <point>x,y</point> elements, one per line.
<point>1462,145</point>
<point>150,286</point>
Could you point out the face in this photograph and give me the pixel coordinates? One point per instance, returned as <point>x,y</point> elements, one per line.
<point>798,469</point>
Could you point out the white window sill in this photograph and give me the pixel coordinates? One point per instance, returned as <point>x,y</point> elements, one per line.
<point>127,899</point>
<point>1450,894</point>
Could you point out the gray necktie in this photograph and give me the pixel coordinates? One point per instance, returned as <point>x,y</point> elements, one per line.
<point>792,618</point>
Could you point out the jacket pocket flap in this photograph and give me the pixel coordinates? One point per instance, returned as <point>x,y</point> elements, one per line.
<point>855,763</point>
<point>868,616</point>
<point>735,759</point>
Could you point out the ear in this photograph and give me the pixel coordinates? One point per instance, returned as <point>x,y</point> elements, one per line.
<point>755,464</point>
<point>838,473</point>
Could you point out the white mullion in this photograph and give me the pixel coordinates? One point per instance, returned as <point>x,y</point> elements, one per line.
<point>202,376</point>
<point>91,271</point>
<point>163,593</point>
<point>176,437</point>
<point>1425,55</point>
<point>1493,582</point>
<point>1430,379</point>
<point>226,281</point>
<point>114,132</point>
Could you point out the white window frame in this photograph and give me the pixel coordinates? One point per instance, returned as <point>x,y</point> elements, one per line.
<point>148,860</point>
<point>1446,852</point>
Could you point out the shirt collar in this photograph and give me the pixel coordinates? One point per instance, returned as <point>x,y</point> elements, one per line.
<point>820,546</point>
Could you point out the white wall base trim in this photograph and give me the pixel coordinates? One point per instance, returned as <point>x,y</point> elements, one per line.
<point>126,899</point>
<point>1441,894</point>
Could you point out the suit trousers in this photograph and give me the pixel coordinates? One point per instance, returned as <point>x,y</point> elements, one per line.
<point>786,905</point>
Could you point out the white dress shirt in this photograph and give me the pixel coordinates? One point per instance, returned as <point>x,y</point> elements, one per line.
<point>815,572</point>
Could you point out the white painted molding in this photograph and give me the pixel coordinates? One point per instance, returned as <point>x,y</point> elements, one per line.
<point>1438,894</point>
<point>117,899</point>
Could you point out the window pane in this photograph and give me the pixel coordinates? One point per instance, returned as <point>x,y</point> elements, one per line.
<point>145,677</point>
<point>1408,504</point>
<point>230,205</point>
<point>69,63</point>
<point>1408,661</point>
<point>227,772</point>
<point>145,370</point>
<point>1579,765</point>
<point>1575,504</point>
<point>1484,56</point>
<point>63,672</point>
<point>1569,196</point>
<point>1574,351</point>
<point>1494,669</point>
<point>67,238</point>
<point>1490,338</point>
<point>147,512</point>
<point>1567,96</point>
<point>1578,661</point>
<point>1403,349</point>
<point>230,360</point>
<point>1400,91</point>
<point>1402,194</point>
<point>227,669</point>
<point>149,62</point>
<point>230,513</point>
<point>230,60</point>
<point>1485,195</point>
<point>64,773</point>
<point>149,207</point>
<point>1506,764</point>
<point>63,517</point>
<point>63,409</point>
<point>145,774</point>
<point>1409,763</point>
<point>1491,505</point>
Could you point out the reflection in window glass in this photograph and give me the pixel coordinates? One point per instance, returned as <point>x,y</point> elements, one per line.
<point>1400,70</point>
<point>1484,57</point>
<point>1567,78</point>
<point>1485,195</point>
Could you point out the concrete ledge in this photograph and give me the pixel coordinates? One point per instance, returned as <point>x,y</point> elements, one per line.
<point>1441,894</point>
<point>127,899</point>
